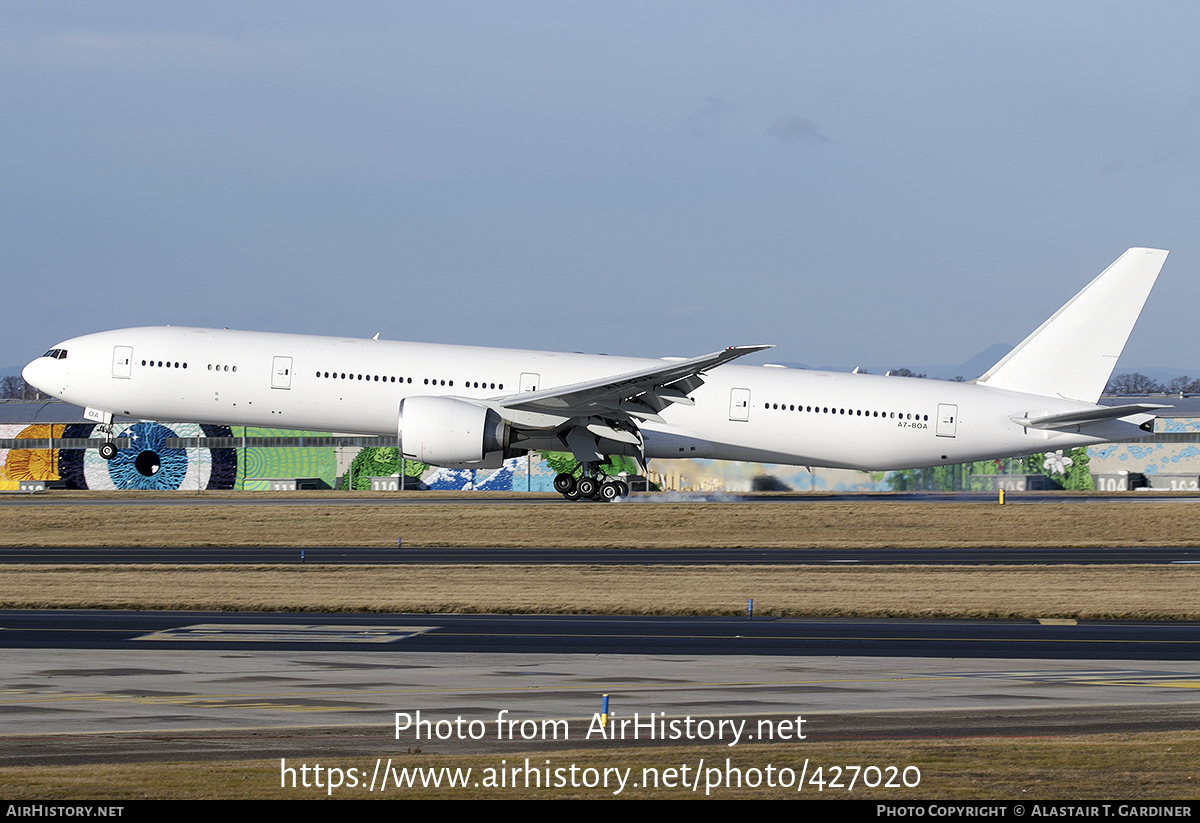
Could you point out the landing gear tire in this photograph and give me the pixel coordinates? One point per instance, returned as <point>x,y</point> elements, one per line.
<point>622,488</point>
<point>572,495</point>
<point>564,483</point>
<point>610,492</point>
<point>587,487</point>
<point>108,450</point>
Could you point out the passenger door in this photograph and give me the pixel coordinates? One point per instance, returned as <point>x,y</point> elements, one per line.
<point>281,373</point>
<point>739,404</point>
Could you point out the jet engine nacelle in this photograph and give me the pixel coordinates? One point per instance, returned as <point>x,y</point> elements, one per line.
<point>445,431</point>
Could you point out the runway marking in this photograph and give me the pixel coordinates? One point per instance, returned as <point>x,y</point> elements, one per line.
<point>1111,677</point>
<point>824,637</point>
<point>1057,621</point>
<point>1164,683</point>
<point>291,633</point>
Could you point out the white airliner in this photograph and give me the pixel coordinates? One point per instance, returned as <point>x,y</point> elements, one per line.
<point>460,406</point>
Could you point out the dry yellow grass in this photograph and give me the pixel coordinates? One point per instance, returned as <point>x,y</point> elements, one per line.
<point>862,523</point>
<point>1114,592</point>
<point>1129,768</point>
<point>1127,592</point>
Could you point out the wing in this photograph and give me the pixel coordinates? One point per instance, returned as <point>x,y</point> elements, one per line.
<point>640,394</point>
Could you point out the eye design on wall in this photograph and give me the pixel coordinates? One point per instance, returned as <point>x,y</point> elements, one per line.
<point>148,463</point>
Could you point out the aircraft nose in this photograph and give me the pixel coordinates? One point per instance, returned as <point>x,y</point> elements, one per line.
<point>34,373</point>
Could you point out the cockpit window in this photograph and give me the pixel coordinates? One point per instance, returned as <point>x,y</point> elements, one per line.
<point>57,354</point>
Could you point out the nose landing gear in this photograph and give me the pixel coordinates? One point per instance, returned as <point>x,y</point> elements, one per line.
<point>108,449</point>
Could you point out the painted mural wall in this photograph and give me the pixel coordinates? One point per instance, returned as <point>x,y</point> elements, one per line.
<point>257,465</point>
<point>516,474</point>
<point>147,463</point>
<point>28,464</point>
<point>1166,465</point>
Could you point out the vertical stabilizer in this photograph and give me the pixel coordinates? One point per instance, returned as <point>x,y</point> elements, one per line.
<point>1072,355</point>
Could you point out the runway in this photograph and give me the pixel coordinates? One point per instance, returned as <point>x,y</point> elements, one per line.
<point>111,686</point>
<point>97,686</point>
<point>416,634</point>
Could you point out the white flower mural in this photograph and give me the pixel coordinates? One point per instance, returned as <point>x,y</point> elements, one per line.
<point>1057,462</point>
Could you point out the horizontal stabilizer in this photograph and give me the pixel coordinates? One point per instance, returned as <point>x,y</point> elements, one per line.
<point>1072,355</point>
<point>1093,415</point>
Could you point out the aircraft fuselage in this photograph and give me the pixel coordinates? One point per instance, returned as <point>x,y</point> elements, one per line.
<point>753,413</point>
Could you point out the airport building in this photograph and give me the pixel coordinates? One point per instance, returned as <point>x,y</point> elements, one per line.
<point>50,443</point>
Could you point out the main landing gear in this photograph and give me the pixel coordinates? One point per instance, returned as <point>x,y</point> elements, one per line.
<point>592,485</point>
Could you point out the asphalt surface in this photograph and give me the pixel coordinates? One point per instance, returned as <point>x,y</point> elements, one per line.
<point>112,687</point>
<point>575,634</point>
<point>101,686</point>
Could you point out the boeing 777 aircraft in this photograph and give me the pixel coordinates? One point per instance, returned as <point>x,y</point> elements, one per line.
<point>460,406</point>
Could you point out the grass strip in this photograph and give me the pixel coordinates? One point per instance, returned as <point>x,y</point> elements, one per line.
<point>1128,767</point>
<point>1142,592</point>
<point>868,523</point>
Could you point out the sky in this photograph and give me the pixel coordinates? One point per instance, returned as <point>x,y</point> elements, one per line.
<point>854,182</point>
